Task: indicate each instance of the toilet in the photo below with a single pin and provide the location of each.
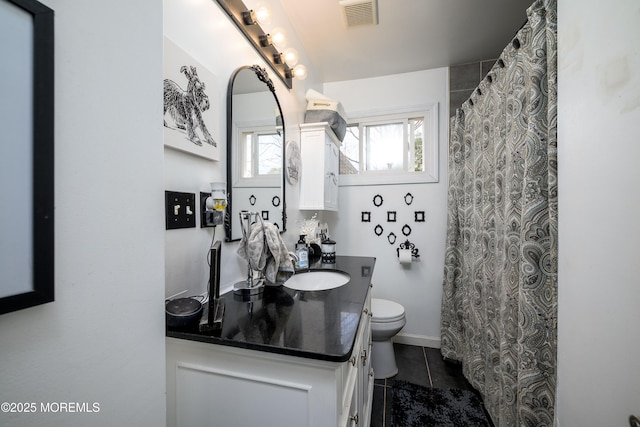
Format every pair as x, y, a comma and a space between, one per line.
388, 318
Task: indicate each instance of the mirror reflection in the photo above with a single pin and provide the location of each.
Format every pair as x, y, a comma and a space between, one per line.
255, 150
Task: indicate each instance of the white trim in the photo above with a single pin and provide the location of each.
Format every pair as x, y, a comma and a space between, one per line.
387, 112
417, 340
386, 178
268, 181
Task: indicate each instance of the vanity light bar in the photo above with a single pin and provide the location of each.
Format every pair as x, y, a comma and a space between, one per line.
239, 14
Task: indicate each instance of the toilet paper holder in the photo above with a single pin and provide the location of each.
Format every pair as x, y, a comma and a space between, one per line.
408, 245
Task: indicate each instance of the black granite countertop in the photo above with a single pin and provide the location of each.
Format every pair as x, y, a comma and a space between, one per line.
312, 324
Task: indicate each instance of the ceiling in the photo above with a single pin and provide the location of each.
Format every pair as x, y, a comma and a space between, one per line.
412, 35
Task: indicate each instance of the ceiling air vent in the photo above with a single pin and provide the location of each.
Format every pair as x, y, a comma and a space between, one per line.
359, 12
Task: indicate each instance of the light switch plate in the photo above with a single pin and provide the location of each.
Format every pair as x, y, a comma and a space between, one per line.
180, 210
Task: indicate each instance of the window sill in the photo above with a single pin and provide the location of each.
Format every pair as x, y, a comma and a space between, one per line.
263, 181
386, 178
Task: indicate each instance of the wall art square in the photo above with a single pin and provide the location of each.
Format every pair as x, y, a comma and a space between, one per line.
191, 104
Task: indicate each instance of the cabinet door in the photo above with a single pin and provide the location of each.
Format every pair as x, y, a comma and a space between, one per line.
331, 161
320, 153
354, 411
210, 396
365, 386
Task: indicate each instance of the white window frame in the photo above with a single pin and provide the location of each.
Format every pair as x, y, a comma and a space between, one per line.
430, 148
271, 180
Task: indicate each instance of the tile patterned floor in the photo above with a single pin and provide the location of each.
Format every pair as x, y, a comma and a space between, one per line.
418, 365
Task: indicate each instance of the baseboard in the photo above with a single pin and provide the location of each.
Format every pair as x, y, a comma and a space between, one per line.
417, 340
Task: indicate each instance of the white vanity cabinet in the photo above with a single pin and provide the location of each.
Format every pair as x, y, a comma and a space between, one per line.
360, 411
217, 385
319, 150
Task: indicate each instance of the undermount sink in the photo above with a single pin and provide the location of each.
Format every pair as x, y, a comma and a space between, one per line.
317, 280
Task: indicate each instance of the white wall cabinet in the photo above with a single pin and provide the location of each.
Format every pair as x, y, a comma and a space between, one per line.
216, 385
319, 150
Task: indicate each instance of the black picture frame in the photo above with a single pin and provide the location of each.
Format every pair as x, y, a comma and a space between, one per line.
41, 290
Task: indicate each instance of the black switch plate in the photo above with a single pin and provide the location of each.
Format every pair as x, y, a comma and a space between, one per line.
180, 210
206, 219
209, 219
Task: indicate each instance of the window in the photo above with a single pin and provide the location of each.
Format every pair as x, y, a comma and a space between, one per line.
259, 157
391, 149
261, 154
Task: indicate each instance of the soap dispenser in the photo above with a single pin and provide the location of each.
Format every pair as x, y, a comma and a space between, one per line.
302, 252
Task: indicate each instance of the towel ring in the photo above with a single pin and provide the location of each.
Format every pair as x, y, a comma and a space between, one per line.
249, 287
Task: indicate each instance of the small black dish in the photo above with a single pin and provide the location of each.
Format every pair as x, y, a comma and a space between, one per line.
183, 312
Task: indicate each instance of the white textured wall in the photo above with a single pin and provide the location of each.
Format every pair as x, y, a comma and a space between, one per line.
199, 27
102, 340
598, 127
417, 287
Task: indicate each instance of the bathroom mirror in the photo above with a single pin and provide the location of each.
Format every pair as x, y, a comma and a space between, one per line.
255, 150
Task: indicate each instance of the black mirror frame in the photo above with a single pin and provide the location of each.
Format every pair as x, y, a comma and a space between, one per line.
43, 161
262, 75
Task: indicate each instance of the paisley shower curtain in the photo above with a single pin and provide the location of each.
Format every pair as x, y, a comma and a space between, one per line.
499, 303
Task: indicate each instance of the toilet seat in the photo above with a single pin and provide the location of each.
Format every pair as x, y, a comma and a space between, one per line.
385, 311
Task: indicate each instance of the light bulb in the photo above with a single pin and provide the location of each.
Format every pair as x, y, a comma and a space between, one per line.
290, 57
262, 13
300, 72
278, 38
219, 204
